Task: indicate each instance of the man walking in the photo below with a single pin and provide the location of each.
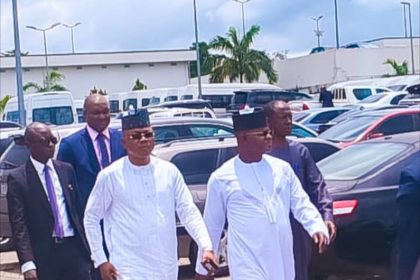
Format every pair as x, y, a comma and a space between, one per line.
326, 98
256, 193
279, 118
44, 213
94, 147
137, 197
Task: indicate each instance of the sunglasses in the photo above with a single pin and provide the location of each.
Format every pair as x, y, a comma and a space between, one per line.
264, 133
46, 141
140, 135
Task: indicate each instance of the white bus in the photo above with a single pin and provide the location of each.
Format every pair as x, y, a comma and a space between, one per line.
220, 95
48, 107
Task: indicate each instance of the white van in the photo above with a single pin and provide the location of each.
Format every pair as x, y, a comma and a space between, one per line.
55, 107
353, 94
78, 104
220, 95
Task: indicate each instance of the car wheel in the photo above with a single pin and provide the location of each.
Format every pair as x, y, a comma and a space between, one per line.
6, 244
223, 269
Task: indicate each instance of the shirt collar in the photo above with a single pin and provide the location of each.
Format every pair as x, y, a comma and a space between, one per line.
39, 166
93, 133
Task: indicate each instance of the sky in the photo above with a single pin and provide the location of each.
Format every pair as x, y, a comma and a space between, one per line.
138, 25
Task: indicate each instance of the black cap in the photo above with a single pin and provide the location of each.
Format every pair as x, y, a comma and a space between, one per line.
250, 118
138, 119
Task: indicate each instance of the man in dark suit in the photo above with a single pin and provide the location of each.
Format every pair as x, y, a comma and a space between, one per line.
326, 98
94, 147
297, 155
44, 212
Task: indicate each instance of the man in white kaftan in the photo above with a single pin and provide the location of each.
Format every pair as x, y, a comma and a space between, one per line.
256, 193
137, 196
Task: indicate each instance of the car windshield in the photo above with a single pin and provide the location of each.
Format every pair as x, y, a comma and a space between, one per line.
349, 129
372, 98
297, 117
357, 160
240, 98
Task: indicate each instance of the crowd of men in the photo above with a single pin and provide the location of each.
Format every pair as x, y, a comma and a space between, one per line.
105, 209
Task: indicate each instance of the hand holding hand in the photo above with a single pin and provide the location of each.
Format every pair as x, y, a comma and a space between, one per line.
321, 240
108, 271
332, 230
30, 275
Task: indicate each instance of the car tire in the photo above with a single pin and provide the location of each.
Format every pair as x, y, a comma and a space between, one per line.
6, 244
223, 269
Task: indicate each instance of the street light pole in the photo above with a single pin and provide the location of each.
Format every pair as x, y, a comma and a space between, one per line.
21, 106
337, 40
71, 30
242, 2
318, 33
44, 30
405, 22
411, 35
197, 51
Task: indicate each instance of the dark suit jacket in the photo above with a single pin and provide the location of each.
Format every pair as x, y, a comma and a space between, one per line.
30, 212
77, 149
326, 97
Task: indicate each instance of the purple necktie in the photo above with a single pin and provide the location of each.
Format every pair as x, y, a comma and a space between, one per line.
58, 224
103, 150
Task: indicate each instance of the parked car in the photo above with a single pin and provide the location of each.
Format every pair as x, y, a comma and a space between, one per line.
353, 94
389, 98
260, 97
363, 180
314, 118
373, 124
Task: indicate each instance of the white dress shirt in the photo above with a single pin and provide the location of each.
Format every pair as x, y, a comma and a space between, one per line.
137, 205
93, 134
68, 229
257, 199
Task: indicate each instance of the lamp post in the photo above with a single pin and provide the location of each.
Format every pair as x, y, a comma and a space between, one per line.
242, 2
405, 22
197, 51
318, 33
406, 3
337, 40
44, 30
72, 35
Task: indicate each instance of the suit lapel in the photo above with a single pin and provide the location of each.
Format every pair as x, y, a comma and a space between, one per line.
90, 150
34, 182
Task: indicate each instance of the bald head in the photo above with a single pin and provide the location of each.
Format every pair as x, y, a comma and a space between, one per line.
40, 141
276, 106
96, 112
33, 131
279, 117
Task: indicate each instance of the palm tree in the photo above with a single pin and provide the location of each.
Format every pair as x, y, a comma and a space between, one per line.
206, 60
3, 103
54, 79
400, 70
139, 85
239, 60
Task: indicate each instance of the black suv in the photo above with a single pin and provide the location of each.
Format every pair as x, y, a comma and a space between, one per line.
260, 97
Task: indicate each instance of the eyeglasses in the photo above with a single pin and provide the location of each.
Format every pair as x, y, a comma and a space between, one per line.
46, 141
140, 135
264, 133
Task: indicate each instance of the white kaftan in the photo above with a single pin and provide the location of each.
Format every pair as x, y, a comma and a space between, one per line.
138, 204
257, 199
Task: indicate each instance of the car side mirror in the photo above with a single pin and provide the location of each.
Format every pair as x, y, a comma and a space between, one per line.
375, 135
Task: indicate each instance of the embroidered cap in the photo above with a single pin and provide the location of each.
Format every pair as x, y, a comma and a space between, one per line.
138, 119
248, 119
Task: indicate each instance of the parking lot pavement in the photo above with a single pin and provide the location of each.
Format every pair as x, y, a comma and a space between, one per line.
9, 268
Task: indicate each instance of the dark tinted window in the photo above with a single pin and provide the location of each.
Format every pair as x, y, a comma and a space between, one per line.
228, 153
145, 101
399, 124
325, 117
196, 166
240, 97
170, 98
15, 156
397, 99
114, 106
209, 131
53, 115
164, 134
128, 102
13, 116
362, 93
187, 97
320, 151
259, 98
218, 101
379, 90
300, 132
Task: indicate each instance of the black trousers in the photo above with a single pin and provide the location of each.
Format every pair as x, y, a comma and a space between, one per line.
67, 260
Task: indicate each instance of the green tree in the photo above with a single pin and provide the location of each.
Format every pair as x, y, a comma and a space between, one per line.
54, 79
3, 103
400, 69
139, 85
206, 60
239, 60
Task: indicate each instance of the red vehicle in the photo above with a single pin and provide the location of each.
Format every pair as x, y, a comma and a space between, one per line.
373, 124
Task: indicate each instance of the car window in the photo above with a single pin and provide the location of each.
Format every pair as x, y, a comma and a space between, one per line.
325, 117
320, 151
145, 102
349, 129
240, 97
219, 101
114, 106
164, 134
196, 166
398, 124
362, 93
14, 156
209, 131
128, 102
298, 116
357, 160
396, 99
259, 98
379, 90
301, 132
53, 115
228, 153
372, 98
